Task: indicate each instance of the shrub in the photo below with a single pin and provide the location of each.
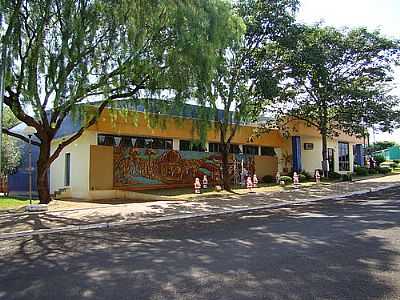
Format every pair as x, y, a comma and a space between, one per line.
302, 177
347, 177
334, 175
373, 171
379, 159
286, 179
361, 171
307, 175
268, 179
384, 170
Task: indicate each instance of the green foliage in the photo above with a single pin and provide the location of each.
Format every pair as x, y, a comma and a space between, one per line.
64, 53
286, 179
303, 178
379, 159
384, 170
347, 177
307, 175
11, 154
241, 66
268, 179
336, 79
361, 171
372, 171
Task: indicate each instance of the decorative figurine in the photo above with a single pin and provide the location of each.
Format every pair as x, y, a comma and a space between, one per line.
197, 186
295, 178
255, 181
205, 182
249, 184
317, 176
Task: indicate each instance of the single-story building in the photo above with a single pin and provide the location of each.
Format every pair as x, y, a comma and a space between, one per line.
123, 153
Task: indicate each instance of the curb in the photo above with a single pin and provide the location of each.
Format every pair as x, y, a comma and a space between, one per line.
105, 225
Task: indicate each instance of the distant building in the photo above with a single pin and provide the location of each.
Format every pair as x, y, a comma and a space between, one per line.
392, 153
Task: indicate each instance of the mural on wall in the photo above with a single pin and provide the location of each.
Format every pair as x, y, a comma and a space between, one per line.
143, 167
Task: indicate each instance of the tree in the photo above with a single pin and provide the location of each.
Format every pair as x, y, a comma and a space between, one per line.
338, 80
62, 53
11, 154
241, 68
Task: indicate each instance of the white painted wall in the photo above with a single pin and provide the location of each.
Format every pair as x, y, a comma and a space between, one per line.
80, 165
311, 159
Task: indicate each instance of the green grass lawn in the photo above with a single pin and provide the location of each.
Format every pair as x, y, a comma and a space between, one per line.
13, 203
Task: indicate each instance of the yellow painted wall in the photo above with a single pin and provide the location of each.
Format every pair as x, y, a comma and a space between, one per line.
266, 165
101, 168
181, 128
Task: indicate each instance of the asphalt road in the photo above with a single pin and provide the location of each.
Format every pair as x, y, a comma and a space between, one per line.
330, 250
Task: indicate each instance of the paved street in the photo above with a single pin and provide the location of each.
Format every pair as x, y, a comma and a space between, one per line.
330, 250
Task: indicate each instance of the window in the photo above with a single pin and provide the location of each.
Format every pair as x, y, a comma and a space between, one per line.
132, 141
184, 145
268, 151
214, 147
190, 146
344, 157
251, 150
67, 170
308, 146
234, 149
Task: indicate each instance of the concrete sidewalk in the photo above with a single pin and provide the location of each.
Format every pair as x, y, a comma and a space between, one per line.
97, 216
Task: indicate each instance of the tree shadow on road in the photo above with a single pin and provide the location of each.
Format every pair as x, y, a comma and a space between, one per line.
328, 250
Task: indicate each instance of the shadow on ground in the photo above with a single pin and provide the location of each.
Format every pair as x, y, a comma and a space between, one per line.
339, 250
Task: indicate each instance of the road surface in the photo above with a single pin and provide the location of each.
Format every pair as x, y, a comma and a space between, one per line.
330, 250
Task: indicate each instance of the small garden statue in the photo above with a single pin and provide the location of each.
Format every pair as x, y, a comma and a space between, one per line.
249, 184
295, 178
197, 186
205, 182
278, 177
317, 176
255, 180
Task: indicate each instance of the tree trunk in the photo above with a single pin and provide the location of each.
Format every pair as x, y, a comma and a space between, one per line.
325, 162
42, 176
226, 178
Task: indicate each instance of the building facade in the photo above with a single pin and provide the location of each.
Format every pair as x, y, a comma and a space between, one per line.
123, 153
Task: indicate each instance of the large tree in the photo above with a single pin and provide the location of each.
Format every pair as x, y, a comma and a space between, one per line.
338, 81
62, 53
242, 69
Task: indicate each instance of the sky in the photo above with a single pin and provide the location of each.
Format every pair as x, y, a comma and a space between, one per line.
373, 14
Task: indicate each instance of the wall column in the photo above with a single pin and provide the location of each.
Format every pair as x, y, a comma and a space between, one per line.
278, 152
296, 152
175, 144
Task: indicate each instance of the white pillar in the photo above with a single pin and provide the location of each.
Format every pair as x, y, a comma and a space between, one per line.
175, 144
278, 152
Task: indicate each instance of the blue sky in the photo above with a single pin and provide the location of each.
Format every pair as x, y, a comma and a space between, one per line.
373, 14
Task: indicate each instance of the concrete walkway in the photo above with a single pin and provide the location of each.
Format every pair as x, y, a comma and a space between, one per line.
98, 215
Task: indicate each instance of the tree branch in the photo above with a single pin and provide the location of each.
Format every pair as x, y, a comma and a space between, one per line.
19, 136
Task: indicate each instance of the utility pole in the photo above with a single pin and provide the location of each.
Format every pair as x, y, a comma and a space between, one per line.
2, 85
